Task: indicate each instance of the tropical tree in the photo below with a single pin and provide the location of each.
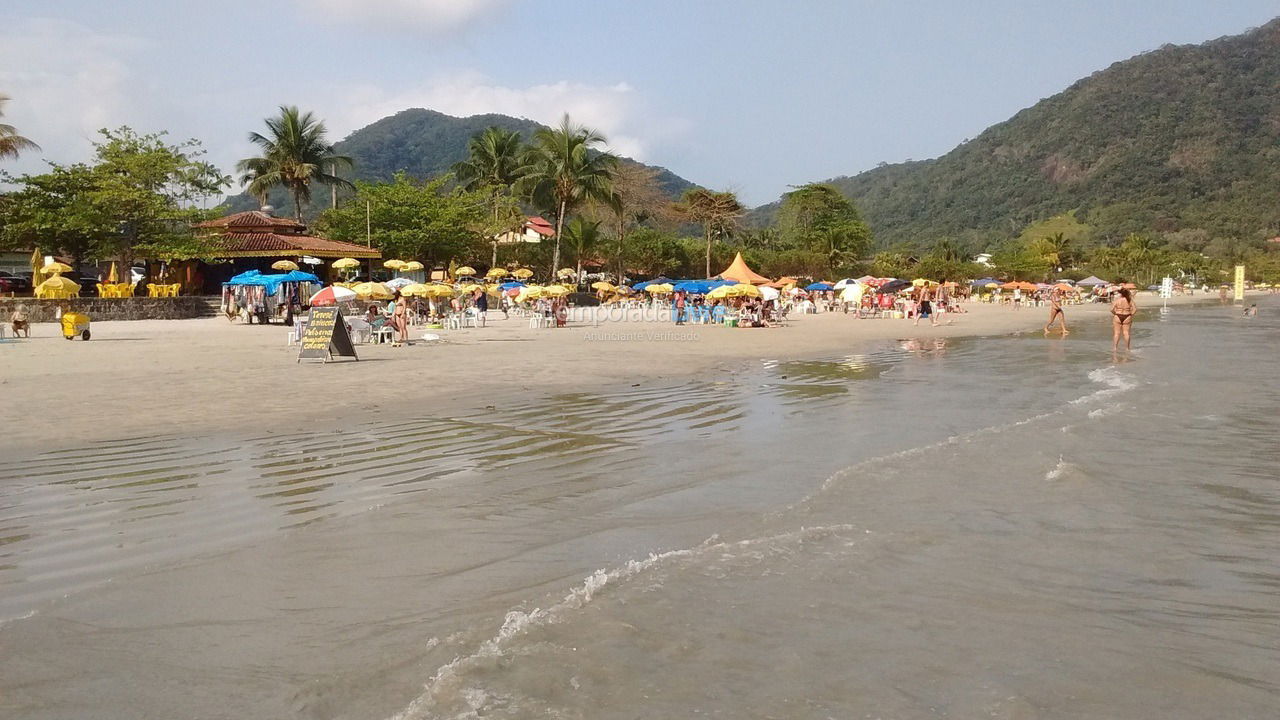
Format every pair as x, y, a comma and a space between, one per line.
716, 212
147, 189
55, 210
494, 158
563, 169
295, 154
820, 219
582, 236
636, 199
11, 143
408, 218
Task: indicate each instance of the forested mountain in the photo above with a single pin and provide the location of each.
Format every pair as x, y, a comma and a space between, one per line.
1180, 138
422, 143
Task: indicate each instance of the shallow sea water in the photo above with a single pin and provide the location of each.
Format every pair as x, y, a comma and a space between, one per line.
1011, 527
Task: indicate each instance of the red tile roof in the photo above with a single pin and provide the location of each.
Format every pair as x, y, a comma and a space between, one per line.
253, 220
266, 244
540, 226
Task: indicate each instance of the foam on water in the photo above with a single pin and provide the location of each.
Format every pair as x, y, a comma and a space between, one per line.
450, 680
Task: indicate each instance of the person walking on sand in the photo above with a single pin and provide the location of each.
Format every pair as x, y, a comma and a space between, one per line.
925, 308
1123, 308
1055, 311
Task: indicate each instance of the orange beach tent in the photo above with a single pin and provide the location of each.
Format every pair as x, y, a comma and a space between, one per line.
739, 272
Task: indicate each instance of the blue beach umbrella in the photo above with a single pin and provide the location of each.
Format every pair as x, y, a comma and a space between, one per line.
817, 286
695, 287
511, 285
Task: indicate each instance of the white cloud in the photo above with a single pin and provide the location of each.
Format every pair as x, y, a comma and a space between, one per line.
65, 82
610, 109
430, 15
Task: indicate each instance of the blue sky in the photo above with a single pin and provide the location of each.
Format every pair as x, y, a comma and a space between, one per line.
750, 96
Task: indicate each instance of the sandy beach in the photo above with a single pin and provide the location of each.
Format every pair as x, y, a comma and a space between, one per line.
191, 377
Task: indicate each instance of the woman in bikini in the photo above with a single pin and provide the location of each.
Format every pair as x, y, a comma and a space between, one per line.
1055, 311
1123, 309
400, 320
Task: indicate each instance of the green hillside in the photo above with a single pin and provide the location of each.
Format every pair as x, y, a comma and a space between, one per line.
1181, 138
423, 143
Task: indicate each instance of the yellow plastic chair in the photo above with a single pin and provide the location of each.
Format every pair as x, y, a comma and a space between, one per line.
153, 290
125, 290
105, 291
174, 289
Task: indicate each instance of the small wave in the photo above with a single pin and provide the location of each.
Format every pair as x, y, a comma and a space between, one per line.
447, 679
1114, 381
1102, 412
1058, 470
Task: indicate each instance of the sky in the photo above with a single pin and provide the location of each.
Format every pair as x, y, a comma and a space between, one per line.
743, 95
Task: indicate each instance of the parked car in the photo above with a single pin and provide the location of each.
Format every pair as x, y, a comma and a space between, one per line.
88, 285
16, 284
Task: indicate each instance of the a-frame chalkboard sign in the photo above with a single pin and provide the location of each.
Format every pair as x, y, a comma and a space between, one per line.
326, 336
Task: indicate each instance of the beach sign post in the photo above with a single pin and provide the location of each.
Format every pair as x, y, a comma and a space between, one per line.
1166, 291
326, 336
1239, 286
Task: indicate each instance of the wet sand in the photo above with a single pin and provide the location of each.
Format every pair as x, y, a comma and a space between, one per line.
141, 378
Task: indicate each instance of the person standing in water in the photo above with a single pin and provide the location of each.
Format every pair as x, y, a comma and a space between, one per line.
1055, 311
1123, 308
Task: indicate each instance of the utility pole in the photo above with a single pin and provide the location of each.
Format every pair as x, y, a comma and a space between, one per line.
368, 226
333, 188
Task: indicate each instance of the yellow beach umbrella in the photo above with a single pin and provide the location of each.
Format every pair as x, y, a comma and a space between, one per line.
346, 264
522, 273
57, 286
111, 275
371, 291
281, 265
603, 286
466, 271
497, 273
468, 287
415, 290
920, 282
556, 291
411, 266
991, 286
54, 268
566, 272
393, 264
659, 288
720, 293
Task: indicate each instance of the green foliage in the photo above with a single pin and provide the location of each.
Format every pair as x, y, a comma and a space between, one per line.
582, 237
413, 220
138, 199
493, 160
56, 211
653, 252
817, 219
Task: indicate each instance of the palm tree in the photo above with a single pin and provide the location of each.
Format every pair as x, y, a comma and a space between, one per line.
493, 161
563, 168
11, 143
295, 153
582, 236
716, 212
